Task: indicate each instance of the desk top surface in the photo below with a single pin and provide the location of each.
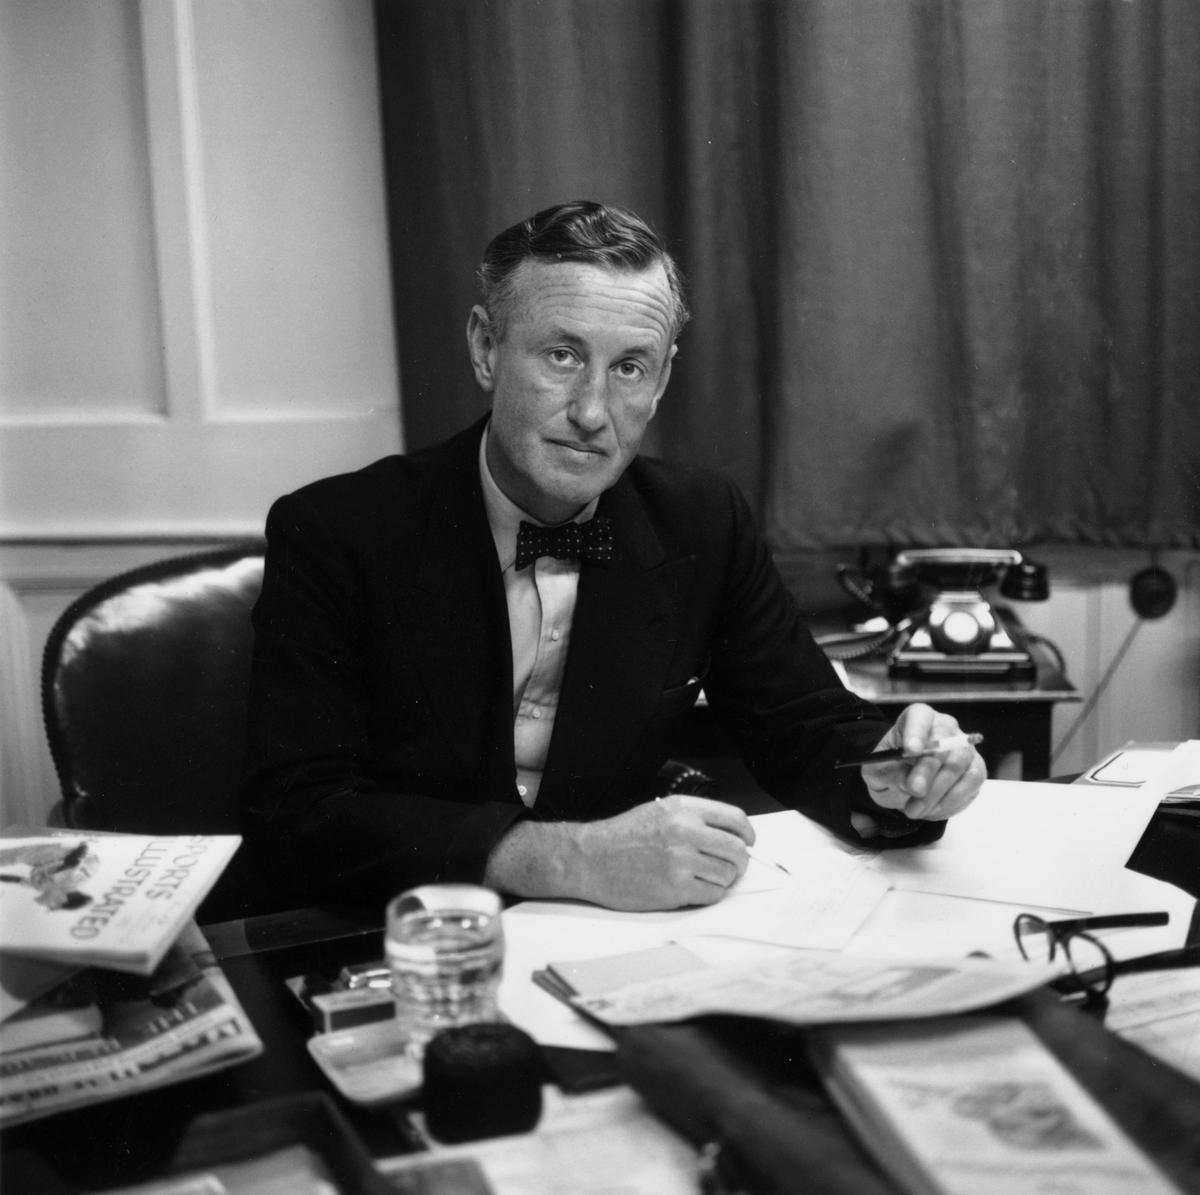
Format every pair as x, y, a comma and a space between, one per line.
129, 1140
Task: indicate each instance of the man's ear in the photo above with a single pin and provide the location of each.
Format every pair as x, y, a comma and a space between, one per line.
481, 345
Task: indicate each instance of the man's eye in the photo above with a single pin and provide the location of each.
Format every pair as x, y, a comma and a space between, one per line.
631, 371
562, 356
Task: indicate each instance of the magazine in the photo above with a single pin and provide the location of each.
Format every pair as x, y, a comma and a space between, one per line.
107, 900
180, 1022
977, 1105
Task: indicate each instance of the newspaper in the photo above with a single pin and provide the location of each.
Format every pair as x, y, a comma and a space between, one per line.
816, 987
181, 1022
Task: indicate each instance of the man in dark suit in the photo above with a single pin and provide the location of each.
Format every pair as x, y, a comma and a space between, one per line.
441, 693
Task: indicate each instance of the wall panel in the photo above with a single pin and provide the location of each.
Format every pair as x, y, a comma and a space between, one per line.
196, 309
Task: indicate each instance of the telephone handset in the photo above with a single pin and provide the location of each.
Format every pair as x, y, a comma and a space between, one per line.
938, 622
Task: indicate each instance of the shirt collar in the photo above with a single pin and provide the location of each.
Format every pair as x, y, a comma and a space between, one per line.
504, 515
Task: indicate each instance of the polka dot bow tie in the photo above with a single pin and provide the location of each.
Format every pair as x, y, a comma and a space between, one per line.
592, 540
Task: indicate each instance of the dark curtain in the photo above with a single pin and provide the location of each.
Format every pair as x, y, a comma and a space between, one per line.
944, 257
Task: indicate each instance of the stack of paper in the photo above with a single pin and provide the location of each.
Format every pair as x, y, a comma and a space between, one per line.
1052, 849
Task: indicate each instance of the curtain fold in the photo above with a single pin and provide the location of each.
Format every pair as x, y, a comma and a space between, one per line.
943, 255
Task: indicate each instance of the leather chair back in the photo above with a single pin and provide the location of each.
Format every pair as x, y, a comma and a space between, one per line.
144, 681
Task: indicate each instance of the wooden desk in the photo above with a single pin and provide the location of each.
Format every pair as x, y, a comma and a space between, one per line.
130, 1140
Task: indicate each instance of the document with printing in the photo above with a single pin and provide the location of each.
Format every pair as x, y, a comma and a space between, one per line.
805, 987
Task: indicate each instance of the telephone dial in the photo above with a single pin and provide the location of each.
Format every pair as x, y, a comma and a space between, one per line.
933, 619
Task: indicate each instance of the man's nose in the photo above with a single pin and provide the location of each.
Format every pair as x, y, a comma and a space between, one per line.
589, 400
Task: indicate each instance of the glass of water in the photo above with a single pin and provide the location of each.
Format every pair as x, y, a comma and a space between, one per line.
445, 948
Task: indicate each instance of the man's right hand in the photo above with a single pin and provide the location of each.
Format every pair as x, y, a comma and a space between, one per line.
665, 854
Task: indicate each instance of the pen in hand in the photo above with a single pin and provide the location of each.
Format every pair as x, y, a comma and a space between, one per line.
765, 861
930, 748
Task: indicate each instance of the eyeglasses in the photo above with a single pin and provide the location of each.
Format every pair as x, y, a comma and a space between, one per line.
1092, 966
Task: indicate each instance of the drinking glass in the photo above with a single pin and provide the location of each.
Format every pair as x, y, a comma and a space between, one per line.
445, 948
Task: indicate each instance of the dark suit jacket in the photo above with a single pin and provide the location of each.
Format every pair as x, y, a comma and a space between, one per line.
381, 711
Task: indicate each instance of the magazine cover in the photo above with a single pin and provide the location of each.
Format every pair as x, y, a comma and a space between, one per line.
105, 900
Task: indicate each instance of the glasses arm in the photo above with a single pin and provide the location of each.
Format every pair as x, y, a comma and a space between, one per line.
1163, 960
1073, 925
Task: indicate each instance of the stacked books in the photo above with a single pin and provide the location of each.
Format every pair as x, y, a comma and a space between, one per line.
107, 986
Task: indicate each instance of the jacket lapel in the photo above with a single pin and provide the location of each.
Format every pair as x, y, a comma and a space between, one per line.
465, 658
622, 639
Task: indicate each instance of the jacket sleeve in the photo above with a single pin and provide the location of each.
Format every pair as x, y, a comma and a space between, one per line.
783, 703
323, 813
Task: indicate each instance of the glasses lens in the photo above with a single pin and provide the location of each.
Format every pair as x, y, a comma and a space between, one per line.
1034, 938
1090, 962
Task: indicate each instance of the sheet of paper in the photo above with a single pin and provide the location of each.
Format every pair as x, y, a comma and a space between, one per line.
910, 924
827, 895
1058, 846
536, 932
1043, 848
1180, 774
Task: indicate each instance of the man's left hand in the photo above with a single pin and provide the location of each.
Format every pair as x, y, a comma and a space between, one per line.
927, 787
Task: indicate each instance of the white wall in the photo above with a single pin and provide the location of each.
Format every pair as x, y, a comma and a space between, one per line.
195, 306
1154, 691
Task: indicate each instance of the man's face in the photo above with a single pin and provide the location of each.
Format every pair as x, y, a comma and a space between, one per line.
575, 379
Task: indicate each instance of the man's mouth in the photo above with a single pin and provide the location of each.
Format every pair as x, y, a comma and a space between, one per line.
575, 446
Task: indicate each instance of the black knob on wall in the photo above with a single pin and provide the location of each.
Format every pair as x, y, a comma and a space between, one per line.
1152, 592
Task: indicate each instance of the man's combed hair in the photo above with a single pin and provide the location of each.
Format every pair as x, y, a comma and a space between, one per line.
593, 233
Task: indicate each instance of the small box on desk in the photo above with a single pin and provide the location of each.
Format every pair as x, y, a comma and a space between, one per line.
334, 1007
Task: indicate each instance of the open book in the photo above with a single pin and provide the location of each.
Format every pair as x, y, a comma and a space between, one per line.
106, 900
977, 1105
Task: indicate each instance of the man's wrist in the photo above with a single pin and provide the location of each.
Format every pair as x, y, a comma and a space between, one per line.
537, 859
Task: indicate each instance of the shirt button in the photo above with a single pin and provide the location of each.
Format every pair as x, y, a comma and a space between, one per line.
535, 712
556, 635
522, 790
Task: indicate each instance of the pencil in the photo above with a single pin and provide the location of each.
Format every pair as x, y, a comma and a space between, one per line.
930, 748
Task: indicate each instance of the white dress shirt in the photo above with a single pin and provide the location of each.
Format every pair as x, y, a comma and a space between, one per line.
541, 604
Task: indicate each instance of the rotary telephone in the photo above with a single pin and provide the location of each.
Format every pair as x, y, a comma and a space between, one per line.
933, 620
